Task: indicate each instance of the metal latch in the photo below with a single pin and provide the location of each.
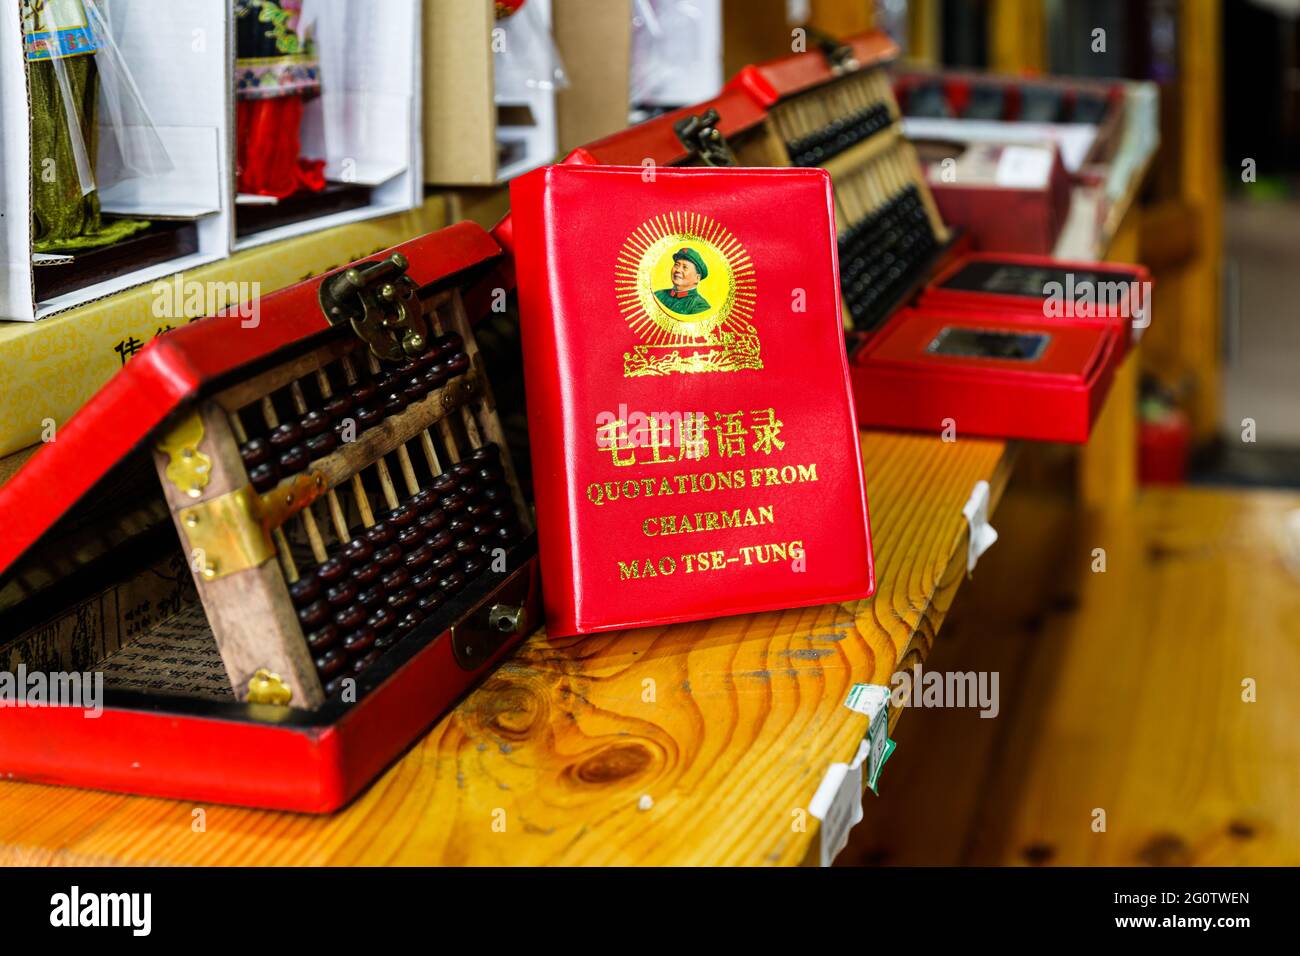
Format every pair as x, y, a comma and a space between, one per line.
379, 300
839, 55
506, 612
232, 532
701, 137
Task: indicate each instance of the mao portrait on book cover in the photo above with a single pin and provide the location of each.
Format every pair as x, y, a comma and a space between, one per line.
686, 286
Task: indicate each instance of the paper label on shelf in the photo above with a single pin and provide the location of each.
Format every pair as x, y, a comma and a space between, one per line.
872, 700
1024, 167
838, 805
982, 534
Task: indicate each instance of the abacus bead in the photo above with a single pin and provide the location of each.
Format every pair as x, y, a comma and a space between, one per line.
382, 619
423, 500
366, 573
365, 662
318, 446
357, 551
286, 436
264, 476
394, 402
457, 363
443, 484
370, 415
444, 561
360, 641
472, 567
432, 521
380, 534
486, 452
305, 590
322, 639
340, 406
314, 615
399, 601
431, 602
479, 509
330, 663
436, 375
410, 619
463, 469
333, 569
402, 516
425, 580
255, 451
345, 592
363, 392
419, 557
441, 540
315, 422
388, 557
371, 598
395, 579
454, 502
452, 582
409, 538
415, 388
351, 617
467, 545
295, 459
333, 687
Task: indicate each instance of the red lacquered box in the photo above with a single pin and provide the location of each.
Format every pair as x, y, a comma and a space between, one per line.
273, 549
984, 373
1106, 293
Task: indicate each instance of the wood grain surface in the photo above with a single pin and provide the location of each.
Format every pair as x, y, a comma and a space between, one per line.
1122, 691
692, 744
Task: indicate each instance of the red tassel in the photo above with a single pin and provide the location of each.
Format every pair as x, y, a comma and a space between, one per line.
268, 151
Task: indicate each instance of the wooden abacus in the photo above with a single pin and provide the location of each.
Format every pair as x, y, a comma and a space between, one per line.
379, 493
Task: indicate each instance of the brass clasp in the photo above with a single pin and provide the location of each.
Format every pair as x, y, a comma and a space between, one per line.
379, 301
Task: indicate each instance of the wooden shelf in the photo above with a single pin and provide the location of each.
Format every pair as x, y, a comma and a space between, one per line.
727, 726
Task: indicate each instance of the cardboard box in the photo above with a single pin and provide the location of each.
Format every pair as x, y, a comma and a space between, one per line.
366, 122
177, 54
50, 368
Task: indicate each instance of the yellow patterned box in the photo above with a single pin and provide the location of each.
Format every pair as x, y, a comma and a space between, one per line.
49, 368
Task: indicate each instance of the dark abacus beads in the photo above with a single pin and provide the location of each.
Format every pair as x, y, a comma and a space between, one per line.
428, 603
362, 393
360, 641
305, 590
841, 134
452, 582
478, 509
371, 598
415, 388
333, 570
315, 422
424, 580
418, 558
380, 534
441, 540
395, 579
408, 539
333, 687
357, 551
264, 477
314, 615
423, 500
364, 662
286, 436
410, 619
382, 619
318, 446
370, 415
255, 451
351, 617
330, 663
294, 460
345, 592
457, 363
467, 545
339, 407
486, 453
462, 469
366, 573
445, 343
402, 516
400, 601
445, 560
442, 484
388, 557
435, 376
394, 402
432, 521
472, 567
322, 639
496, 493
454, 501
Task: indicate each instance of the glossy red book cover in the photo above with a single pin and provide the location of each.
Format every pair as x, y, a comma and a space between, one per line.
694, 443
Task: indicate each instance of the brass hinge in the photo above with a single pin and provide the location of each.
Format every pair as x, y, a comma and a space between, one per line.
379, 301
839, 55
701, 137
232, 532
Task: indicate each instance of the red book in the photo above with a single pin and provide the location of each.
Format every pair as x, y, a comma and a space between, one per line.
694, 443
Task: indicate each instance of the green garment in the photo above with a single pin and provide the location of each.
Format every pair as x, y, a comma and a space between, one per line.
691, 303
63, 220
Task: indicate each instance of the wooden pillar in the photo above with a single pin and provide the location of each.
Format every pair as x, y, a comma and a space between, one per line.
1017, 36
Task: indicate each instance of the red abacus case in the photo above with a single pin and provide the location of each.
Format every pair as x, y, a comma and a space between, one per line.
1106, 293
282, 541
989, 374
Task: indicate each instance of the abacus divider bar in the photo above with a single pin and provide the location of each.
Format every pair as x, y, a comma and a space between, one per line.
251, 614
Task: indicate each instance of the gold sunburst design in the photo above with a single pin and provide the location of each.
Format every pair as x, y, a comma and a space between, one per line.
711, 331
